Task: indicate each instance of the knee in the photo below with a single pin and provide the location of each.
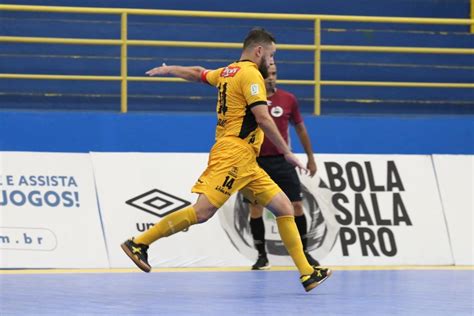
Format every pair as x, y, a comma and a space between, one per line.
298, 207
203, 214
204, 209
281, 205
256, 211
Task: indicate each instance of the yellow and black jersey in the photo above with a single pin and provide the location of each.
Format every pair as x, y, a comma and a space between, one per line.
240, 87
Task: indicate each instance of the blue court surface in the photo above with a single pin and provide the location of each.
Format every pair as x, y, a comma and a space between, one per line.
416, 291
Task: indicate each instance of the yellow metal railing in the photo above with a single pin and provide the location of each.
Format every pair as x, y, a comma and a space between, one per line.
124, 42
472, 15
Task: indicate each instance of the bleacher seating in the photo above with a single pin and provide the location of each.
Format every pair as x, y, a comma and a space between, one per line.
105, 60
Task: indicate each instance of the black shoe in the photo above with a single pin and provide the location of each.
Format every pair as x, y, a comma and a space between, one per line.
262, 263
311, 260
137, 252
319, 276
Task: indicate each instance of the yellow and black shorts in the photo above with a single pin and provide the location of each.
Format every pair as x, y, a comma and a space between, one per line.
232, 167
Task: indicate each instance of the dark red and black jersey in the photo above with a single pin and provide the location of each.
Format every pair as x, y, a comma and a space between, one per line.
284, 109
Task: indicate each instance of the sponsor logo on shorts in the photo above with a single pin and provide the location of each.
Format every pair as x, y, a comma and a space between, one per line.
234, 171
221, 189
221, 122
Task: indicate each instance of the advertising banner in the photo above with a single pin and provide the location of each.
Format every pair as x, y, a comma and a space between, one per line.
320, 213
456, 184
360, 210
137, 189
48, 212
388, 208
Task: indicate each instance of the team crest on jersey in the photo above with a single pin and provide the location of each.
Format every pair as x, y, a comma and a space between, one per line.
229, 71
254, 90
276, 111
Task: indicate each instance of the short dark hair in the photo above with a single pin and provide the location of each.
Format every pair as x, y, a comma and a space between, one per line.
258, 36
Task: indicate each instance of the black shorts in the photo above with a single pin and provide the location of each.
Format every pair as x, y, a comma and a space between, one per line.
284, 174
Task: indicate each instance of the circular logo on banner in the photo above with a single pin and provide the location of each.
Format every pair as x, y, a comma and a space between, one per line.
320, 216
276, 111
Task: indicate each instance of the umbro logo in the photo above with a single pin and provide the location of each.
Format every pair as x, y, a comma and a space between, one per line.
157, 202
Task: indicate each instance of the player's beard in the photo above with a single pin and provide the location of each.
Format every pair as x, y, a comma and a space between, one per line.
263, 68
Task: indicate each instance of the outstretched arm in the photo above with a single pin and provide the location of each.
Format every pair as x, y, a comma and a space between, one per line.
190, 73
306, 142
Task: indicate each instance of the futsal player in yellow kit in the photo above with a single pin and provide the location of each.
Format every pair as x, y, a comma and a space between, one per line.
242, 120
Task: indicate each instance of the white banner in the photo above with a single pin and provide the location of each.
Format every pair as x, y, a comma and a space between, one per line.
388, 208
456, 184
380, 210
137, 189
383, 210
320, 213
48, 212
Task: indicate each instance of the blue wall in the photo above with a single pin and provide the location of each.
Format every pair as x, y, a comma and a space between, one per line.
190, 132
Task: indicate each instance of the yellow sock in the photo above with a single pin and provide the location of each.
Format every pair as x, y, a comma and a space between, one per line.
169, 225
292, 241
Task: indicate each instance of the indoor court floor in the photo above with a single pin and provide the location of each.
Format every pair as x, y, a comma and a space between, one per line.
237, 291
